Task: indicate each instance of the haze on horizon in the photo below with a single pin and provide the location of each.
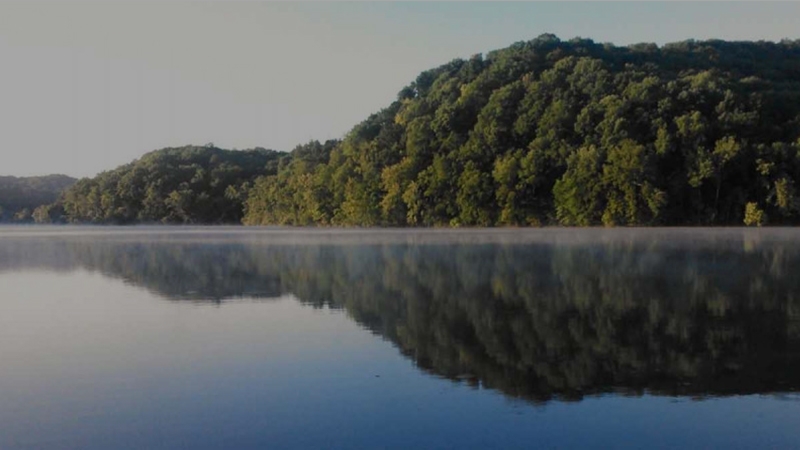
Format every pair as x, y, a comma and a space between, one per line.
87, 86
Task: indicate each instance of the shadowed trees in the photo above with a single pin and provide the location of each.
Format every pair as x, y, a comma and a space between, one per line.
21, 196
174, 185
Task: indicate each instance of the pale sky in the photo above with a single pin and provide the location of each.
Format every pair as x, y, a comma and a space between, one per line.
85, 87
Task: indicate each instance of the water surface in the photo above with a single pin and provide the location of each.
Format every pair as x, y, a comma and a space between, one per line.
210, 338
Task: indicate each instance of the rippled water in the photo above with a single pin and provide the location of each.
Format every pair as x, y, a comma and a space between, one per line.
280, 338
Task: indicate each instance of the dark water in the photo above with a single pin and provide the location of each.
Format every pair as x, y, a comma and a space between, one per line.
149, 338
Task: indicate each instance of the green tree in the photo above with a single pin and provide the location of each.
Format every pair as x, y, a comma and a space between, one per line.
632, 198
578, 193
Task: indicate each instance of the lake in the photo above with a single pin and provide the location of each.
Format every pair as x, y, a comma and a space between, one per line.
237, 338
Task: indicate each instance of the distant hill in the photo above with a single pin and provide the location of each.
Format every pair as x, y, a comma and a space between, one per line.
19, 196
174, 185
566, 132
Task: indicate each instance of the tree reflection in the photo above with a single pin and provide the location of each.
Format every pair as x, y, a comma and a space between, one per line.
534, 320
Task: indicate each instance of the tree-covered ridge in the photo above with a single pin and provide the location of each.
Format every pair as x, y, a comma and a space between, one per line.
173, 185
20, 196
564, 132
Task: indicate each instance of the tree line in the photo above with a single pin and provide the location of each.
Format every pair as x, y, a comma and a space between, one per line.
544, 132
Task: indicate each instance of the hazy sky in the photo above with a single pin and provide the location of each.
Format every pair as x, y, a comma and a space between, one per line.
85, 87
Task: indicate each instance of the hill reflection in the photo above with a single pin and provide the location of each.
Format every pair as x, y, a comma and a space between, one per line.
538, 319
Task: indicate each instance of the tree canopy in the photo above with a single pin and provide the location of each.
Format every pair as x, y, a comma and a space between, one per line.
173, 185
564, 132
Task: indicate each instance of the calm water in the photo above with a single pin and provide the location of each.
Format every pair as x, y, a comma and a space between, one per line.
134, 338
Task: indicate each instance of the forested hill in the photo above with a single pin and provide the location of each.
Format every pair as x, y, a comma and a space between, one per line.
564, 132
19, 196
173, 185
544, 132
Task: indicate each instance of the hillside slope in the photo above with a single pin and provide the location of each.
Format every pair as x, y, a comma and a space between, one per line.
19, 196
173, 185
564, 132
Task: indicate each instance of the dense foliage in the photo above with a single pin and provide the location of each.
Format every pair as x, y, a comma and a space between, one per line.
572, 133
548, 318
172, 185
20, 196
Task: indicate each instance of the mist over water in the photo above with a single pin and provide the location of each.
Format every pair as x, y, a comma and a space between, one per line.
229, 337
